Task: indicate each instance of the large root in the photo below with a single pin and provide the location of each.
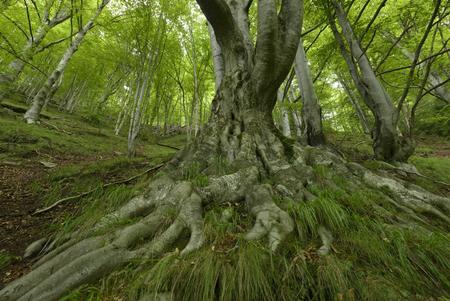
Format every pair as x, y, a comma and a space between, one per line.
174, 206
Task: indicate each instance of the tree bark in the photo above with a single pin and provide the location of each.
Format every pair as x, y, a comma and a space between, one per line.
285, 125
355, 103
297, 119
32, 115
15, 68
266, 175
311, 111
388, 144
217, 57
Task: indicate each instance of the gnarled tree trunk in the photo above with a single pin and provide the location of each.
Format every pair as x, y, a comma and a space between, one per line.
262, 166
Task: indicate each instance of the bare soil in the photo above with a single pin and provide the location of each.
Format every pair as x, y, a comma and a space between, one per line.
18, 226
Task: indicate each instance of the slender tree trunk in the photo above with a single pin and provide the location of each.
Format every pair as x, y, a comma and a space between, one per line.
122, 114
311, 111
195, 110
297, 118
15, 68
388, 144
355, 103
32, 115
285, 125
135, 121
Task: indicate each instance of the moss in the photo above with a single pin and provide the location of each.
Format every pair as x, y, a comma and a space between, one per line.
436, 167
288, 144
67, 135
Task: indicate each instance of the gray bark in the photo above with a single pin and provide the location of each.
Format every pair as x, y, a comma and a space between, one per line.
217, 57
16, 66
32, 115
296, 117
311, 111
285, 126
355, 103
240, 128
387, 142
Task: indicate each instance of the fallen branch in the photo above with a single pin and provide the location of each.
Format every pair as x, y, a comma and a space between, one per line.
94, 189
165, 145
421, 176
55, 127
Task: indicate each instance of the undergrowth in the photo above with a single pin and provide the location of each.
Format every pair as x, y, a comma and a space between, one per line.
377, 254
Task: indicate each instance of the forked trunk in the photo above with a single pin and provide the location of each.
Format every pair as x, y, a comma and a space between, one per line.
259, 167
388, 143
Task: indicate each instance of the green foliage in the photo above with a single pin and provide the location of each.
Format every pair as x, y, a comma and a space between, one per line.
193, 173
435, 121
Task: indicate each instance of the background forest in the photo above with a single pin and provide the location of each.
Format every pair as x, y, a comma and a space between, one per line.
167, 46
96, 96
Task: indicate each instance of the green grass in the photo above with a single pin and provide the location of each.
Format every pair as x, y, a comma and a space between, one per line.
69, 135
6, 259
372, 258
435, 167
378, 252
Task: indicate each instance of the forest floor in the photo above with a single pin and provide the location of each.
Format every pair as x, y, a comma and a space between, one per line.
63, 156
67, 155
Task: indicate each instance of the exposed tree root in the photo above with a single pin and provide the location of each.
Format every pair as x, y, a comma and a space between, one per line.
262, 168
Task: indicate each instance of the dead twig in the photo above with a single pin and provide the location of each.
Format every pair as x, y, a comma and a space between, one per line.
169, 146
94, 189
56, 128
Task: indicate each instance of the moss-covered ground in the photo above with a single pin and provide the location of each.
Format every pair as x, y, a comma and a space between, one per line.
377, 254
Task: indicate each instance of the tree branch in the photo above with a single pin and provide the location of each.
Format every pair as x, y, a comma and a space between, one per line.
17, 25
30, 28
394, 44
219, 16
417, 55
36, 8
416, 64
374, 17
42, 48
290, 22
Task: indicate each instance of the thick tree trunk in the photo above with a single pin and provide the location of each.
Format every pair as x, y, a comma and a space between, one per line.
217, 57
311, 111
32, 115
388, 144
262, 166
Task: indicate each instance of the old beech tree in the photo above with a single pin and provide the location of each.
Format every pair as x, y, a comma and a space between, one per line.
262, 166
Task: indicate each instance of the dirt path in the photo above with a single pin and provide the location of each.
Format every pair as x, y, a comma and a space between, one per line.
18, 227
